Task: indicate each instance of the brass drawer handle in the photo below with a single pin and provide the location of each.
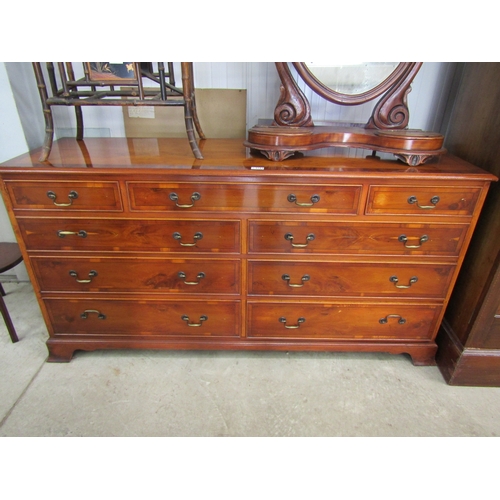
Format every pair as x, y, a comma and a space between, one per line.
175, 197
62, 234
412, 200
74, 274
197, 236
286, 277
394, 279
289, 237
404, 239
385, 320
85, 314
199, 276
299, 322
293, 199
72, 195
185, 318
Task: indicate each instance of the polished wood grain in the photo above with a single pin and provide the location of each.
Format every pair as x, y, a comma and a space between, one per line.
355, 238
341, 321
344, 279
146, 317
278, 143
184, 197
412, 200
222, 158
129, 250
73, 196
167, 235
145, 274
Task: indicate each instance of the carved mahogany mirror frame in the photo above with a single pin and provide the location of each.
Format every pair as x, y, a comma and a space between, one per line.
293, 129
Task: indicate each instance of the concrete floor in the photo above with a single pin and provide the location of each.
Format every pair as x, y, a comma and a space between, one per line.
165, 393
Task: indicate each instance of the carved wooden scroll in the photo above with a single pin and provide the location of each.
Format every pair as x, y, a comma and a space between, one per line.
293, 129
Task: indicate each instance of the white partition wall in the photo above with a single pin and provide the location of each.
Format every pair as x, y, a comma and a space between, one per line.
12, 143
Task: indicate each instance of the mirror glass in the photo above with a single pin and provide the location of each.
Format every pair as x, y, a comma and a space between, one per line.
351, 78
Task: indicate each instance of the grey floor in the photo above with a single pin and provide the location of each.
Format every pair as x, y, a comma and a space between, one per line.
165, 393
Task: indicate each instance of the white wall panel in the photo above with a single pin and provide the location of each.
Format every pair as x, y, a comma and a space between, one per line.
12, 143
262, 91
427, 100
429, 96
220, 75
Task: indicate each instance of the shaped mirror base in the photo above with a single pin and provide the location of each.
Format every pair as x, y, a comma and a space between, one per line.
277, 143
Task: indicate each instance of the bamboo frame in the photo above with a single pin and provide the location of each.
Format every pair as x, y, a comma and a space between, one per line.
89, 91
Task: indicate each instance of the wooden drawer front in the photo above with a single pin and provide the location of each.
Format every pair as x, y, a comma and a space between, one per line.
83, 274
65, 196
348, 279
341, 321
130, 235
148, 317
259, 198
422, 200
355, 238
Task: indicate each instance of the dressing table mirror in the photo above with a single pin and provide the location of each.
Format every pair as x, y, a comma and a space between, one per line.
293, 129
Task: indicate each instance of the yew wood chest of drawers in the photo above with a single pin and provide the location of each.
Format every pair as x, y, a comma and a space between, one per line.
133, 244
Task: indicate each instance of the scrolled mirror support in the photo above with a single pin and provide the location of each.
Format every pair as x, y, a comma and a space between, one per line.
293, 108
392, 112
293, 129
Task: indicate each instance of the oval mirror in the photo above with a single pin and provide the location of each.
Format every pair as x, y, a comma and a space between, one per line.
350, 83
351, 78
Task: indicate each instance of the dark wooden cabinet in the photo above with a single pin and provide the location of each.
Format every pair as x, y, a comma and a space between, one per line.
132, 243
469, 340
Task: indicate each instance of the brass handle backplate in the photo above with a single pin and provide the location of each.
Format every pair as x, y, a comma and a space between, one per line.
197, 236
395, 280
194, 197
286, 277
385, 320
74, 274
81, 234
412, 200
299, 322
404, 239
309, 237
293, 199
185, 318
199, 276
85, 314
72, 195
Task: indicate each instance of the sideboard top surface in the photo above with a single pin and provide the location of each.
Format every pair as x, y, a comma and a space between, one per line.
225, 157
